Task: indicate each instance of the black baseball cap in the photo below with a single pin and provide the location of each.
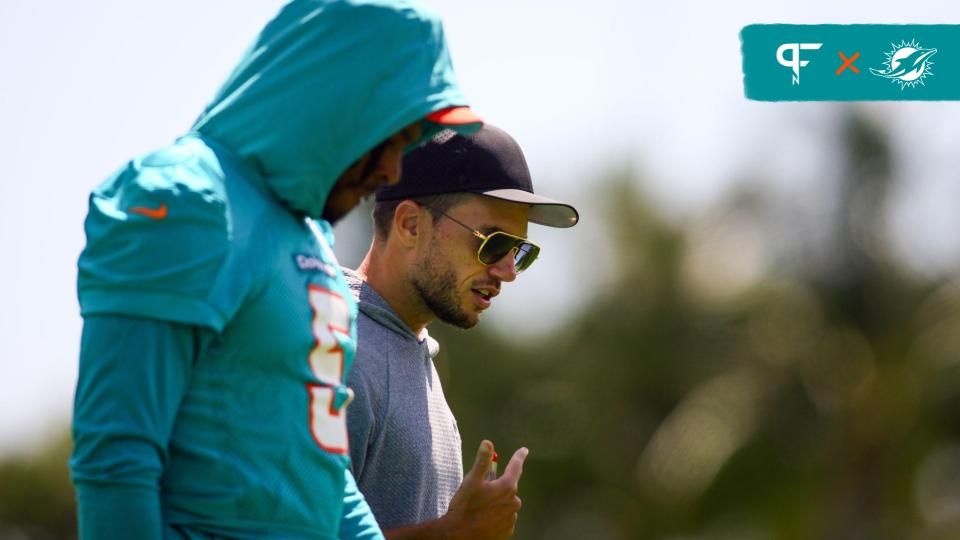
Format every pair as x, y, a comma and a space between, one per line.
488, 162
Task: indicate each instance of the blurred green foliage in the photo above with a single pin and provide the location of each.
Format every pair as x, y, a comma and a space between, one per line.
813, 399
36, 498
816, 403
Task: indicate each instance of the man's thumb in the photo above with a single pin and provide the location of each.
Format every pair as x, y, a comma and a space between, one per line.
515, 467
482, 464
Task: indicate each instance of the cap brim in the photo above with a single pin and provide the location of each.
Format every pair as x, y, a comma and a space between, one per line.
460, 119
543, 211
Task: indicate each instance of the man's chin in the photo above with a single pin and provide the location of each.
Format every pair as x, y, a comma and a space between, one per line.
333, 216
462, 320
335, 210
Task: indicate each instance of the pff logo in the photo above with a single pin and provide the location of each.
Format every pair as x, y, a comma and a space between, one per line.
794, 62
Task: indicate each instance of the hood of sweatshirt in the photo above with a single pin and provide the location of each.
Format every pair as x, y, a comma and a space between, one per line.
325, 82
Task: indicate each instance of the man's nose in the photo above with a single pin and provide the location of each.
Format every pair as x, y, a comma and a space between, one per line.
505, 269
391, 167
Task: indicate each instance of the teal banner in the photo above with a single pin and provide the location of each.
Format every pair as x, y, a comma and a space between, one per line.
858, 62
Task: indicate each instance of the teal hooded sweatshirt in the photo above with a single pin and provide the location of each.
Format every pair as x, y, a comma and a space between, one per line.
218, 329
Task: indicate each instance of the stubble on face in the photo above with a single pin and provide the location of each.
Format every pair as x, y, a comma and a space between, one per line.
380, 166
349, 190
436, 284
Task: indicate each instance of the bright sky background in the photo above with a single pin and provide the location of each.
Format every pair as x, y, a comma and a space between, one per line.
584, 87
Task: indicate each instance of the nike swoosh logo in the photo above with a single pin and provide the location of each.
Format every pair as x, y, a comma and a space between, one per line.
153, 213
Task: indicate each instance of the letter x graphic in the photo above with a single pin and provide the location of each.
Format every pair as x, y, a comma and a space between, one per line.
848, 62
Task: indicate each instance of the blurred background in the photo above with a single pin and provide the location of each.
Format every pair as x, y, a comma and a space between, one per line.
754, 333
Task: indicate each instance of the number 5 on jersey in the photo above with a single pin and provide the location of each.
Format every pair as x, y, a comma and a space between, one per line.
331, 316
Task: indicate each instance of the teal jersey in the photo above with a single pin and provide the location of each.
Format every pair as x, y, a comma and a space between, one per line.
218, 327
259, 439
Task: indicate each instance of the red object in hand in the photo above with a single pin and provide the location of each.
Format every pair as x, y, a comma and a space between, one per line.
492, 473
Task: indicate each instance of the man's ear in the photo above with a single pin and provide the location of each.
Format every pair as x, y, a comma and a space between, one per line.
408, 223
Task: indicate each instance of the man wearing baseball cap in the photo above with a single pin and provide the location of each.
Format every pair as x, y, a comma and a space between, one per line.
446, 239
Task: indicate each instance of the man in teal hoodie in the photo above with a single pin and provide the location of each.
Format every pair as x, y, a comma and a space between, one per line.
218, 329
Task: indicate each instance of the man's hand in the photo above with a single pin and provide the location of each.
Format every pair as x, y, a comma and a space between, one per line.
486, 509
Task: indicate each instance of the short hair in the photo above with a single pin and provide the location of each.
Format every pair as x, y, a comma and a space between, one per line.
436, 204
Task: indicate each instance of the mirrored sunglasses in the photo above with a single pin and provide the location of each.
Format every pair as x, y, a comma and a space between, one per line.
496, 245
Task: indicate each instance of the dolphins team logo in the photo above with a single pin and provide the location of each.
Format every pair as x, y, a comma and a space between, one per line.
907, 64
